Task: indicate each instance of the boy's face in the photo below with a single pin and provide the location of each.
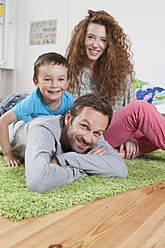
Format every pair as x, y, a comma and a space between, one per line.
52, 82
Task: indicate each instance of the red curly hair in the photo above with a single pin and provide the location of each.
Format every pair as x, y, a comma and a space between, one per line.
116, 63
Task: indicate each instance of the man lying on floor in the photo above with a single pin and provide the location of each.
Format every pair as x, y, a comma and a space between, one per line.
60, 149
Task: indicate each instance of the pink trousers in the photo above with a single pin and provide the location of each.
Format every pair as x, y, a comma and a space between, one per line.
140, 119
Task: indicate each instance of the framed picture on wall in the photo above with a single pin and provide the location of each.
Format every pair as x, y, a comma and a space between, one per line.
43, 32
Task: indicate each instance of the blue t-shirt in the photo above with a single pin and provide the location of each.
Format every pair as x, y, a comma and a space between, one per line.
34, 105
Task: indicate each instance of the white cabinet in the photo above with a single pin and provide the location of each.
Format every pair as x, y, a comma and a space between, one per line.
7, 34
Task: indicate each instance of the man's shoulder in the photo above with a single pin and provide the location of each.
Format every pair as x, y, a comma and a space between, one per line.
48, 121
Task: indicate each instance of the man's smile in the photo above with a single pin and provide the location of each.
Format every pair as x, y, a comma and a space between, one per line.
82, 142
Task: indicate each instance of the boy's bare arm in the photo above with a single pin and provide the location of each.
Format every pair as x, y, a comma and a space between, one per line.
5, 120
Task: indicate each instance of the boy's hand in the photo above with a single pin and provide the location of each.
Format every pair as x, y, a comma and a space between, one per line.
55, 161
13, 160
98, 151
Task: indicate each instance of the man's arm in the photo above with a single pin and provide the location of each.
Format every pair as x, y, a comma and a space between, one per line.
43, 175
108, 165
41, 172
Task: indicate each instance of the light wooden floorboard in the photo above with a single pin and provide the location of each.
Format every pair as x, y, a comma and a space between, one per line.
134, 219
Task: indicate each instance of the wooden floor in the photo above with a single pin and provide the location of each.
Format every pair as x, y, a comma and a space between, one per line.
134, 219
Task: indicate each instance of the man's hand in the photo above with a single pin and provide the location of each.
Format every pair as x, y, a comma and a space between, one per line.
131, 148
98, 151
55, 161
13, 160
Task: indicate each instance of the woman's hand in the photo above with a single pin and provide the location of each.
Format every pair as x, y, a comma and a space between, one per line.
131, 148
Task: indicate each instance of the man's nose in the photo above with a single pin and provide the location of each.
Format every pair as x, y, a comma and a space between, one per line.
88, 138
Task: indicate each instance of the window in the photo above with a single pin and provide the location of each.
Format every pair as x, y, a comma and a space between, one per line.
7, 34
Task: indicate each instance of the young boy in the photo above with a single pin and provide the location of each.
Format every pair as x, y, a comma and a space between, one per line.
51, 79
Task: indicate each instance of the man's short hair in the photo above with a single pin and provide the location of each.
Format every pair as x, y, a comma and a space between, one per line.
94, 101
50, 58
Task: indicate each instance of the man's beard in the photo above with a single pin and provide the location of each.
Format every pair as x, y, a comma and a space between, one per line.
75, 140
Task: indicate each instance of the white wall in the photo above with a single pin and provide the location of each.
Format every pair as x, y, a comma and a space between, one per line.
142, 20
28, 11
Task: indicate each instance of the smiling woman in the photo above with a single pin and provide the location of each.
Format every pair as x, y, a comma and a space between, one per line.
100, 59
95, 43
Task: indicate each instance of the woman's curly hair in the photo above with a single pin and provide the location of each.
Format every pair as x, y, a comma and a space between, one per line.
115, 65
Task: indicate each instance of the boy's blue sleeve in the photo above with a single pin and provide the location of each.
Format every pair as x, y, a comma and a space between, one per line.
67, 103
24, 108
71, 100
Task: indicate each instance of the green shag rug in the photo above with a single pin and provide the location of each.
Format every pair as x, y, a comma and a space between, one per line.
17, 202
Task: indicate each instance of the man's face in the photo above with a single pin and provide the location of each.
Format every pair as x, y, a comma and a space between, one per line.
85, 130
